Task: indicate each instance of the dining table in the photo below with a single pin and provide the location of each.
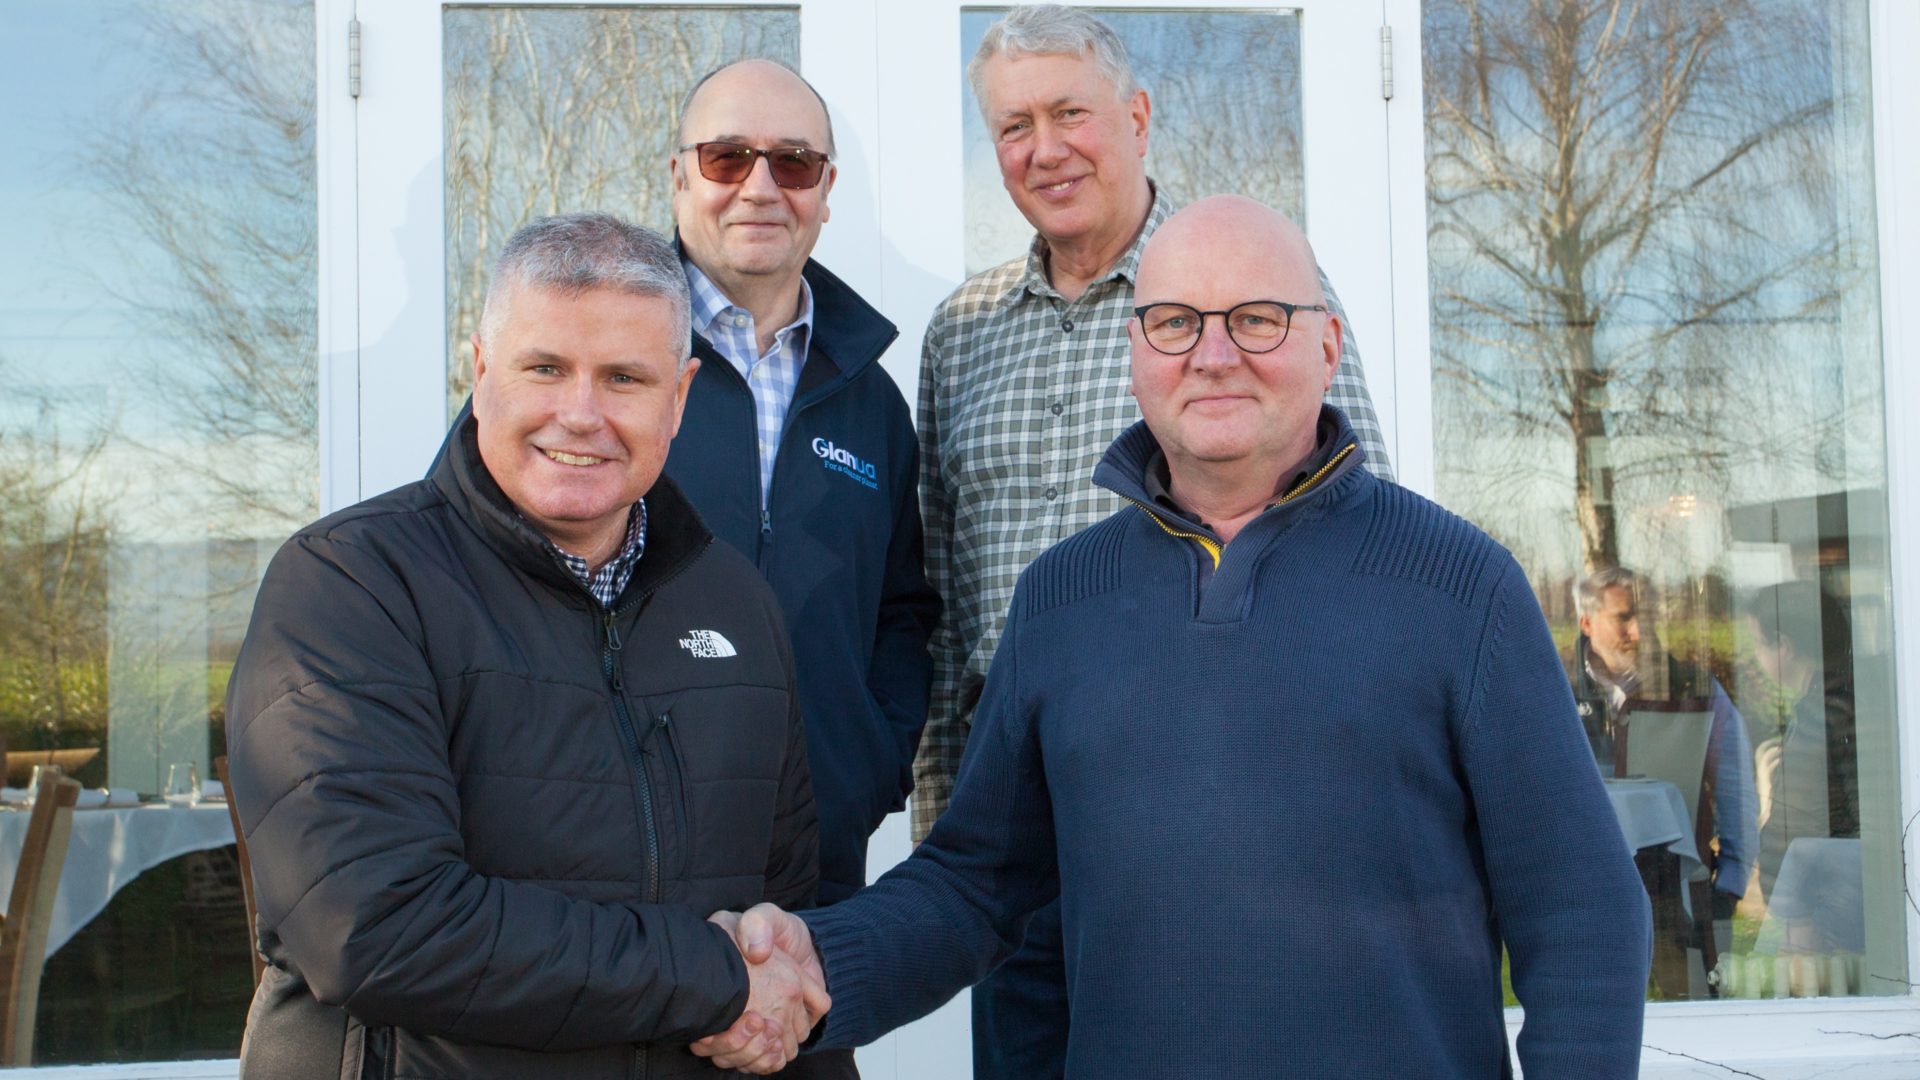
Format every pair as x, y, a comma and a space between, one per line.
110, 846
1653, 814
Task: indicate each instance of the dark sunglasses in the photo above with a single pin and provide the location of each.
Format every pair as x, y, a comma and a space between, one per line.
732, 163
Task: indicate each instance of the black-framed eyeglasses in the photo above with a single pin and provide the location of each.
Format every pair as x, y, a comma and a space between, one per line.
1257, 326
732, 162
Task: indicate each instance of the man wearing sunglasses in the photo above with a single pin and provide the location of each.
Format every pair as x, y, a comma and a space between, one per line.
797, 447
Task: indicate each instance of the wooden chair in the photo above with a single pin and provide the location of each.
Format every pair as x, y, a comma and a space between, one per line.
246, 865
23, 932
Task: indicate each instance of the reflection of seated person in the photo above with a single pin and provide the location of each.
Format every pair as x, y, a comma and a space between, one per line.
1615, 667
1808, 770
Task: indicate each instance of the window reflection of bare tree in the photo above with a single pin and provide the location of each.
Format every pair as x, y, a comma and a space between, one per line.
556, 110
1226, 98
1634, 242
209, 179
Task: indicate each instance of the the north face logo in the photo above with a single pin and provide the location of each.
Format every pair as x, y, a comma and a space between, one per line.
708, 644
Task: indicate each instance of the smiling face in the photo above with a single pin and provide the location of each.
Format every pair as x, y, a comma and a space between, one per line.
1071, 148
1247, 417
755, 229
576, 399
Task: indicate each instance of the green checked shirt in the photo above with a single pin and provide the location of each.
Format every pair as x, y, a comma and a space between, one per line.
1021, 391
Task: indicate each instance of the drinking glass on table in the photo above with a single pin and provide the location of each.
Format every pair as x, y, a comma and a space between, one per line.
41, 772
183, 785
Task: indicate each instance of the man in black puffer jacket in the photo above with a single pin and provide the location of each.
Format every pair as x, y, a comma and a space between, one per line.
502, 738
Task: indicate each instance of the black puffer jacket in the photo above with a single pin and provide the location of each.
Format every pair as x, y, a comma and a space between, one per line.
488, 818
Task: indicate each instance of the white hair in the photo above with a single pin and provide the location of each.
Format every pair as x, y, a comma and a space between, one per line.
1052, 30
1592, 589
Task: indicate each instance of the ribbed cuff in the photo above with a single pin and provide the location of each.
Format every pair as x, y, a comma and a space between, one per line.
837, 941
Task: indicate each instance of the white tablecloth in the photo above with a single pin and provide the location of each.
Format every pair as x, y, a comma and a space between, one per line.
109, 848
1653, 813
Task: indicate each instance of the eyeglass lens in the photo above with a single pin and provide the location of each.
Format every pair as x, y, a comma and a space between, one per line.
791, 166
1255, 327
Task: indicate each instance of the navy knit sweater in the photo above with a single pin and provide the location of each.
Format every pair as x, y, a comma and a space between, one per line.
1292, 816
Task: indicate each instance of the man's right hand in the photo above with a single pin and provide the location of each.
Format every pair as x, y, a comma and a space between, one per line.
786, 996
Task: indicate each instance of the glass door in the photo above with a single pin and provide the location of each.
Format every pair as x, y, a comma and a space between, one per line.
474, 119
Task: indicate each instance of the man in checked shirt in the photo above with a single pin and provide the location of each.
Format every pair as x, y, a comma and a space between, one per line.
1023, 385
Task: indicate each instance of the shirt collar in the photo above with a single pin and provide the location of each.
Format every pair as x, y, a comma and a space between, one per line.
709, 304
612, 577
1035, 280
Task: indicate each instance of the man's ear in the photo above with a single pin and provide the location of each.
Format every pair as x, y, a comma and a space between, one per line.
1140, 111
1330, 347
479, 357
680, 393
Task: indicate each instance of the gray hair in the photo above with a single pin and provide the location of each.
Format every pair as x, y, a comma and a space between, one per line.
686, 103
1587, 595
1052, 30
573, 253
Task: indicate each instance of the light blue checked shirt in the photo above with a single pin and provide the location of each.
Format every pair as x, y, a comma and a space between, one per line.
771, 378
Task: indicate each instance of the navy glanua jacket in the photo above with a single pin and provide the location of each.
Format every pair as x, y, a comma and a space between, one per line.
841, 545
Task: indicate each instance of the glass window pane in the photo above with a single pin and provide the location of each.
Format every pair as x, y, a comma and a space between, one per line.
157, 442
1656, 346
1225, 89
556, 110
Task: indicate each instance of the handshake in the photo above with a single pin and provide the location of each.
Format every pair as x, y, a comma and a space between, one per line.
787, 992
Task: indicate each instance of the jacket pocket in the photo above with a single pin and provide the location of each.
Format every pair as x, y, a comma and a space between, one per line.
682, 806
366, 1053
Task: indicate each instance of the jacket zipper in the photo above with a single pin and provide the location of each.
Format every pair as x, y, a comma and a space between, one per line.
779, 452
610, 668
1212, 545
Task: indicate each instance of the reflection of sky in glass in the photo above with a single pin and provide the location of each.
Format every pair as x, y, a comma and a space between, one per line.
57, 331
1225, 89
110, 145
585, 120
1767, 263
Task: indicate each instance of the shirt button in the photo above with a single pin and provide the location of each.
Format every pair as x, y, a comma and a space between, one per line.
1058, 408
1067, 325
1053, 493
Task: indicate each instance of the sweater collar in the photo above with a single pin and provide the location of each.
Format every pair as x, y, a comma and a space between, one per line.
1124, 470
1158, 477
